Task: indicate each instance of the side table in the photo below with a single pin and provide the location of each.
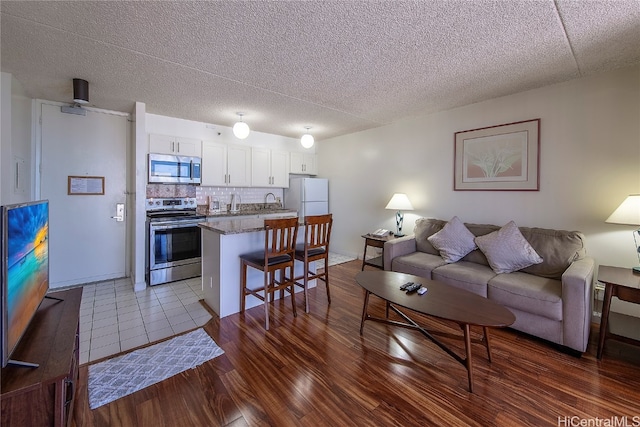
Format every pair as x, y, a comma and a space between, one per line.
376, 242
624, 284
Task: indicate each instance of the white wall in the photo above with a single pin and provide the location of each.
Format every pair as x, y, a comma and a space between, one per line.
590, 153
16, 145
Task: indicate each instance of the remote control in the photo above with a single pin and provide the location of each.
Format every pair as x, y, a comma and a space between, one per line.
406, 285
414, 287
422, 291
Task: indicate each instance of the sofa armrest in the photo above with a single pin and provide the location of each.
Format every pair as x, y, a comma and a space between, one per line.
577, 303
397, 247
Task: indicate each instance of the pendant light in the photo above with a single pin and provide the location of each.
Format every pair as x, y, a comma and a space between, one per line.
241, 129
307, 139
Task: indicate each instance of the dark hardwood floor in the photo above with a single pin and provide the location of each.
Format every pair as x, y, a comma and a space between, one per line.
317, 370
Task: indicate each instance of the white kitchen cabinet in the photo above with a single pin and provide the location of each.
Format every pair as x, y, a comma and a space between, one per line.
269, 168
225, 165
165, 144
303, 163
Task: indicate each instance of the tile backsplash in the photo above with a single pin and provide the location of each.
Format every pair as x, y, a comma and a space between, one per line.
171, 190
247, 195
223, 194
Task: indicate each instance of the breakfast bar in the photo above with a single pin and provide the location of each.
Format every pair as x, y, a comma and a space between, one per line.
222, 244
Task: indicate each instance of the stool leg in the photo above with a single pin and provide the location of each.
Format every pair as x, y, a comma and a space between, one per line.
266, 298
243, 285
292, 287
306, 285
326, 278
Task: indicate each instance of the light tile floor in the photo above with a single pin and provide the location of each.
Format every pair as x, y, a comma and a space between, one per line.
114, 318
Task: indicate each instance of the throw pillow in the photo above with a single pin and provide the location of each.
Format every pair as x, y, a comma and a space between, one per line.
454, 241
507, 250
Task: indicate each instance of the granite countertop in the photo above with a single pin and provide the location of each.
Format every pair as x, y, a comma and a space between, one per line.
223, 214
234, 226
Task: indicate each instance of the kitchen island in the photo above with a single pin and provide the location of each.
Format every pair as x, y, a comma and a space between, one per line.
222, 244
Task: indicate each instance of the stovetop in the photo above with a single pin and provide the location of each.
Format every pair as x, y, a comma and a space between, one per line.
172, 208
155, 204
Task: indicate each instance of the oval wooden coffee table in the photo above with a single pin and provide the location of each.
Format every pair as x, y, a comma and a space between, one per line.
442, 301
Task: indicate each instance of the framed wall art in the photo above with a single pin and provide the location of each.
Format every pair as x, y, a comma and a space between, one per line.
498, 158
85, 185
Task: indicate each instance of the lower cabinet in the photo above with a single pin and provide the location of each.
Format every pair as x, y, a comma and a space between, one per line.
44, 396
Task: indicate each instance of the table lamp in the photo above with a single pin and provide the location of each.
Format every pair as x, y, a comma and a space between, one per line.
628, 213
400, 202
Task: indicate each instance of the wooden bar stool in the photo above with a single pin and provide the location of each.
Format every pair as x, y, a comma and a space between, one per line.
278, 255
317, 232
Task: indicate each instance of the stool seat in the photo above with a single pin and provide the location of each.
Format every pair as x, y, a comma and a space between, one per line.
258, 258
311, 252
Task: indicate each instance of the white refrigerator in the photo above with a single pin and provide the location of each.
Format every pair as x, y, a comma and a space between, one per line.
309, 196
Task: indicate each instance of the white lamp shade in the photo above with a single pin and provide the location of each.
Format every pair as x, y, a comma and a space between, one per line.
307, 140
628, 213
241, 130
399, 202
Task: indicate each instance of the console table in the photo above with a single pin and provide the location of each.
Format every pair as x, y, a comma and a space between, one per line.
624, 284
44, 396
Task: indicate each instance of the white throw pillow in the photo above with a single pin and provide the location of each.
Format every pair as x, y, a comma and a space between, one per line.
454, 241
507, 250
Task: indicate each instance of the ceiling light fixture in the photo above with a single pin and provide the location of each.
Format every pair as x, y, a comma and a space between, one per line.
307, 139
241, 129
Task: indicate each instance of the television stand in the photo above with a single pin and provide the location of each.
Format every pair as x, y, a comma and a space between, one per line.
45, 395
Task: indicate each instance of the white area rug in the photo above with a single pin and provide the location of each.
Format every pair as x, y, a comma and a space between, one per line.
334, 259
123, 375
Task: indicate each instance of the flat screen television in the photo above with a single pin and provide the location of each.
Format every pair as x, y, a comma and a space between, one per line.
25, 269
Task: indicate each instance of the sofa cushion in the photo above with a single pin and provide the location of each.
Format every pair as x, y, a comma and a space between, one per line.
507, 250
465, 275
424, 228
558, 248
529, 293
417, 263
454, 241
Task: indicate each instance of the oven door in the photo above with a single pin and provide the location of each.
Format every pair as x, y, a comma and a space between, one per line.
173, 243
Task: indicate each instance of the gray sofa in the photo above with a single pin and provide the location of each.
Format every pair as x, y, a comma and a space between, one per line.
551, 300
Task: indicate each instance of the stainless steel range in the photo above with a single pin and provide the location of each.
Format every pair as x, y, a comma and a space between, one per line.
173, 240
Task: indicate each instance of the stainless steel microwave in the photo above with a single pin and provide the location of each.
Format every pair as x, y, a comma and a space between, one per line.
170, 169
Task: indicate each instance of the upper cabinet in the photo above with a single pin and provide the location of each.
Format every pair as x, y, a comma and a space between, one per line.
177, 145
269, 168
303, 163
225, 165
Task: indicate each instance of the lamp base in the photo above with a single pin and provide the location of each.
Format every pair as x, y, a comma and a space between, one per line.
398, 235
636, 270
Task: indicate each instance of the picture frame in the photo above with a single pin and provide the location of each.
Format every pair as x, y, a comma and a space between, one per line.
85, 185
498, 158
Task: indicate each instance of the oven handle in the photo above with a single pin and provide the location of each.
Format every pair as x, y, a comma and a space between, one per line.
174, 224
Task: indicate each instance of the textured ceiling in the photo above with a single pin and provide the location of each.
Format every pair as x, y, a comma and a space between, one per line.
338, 66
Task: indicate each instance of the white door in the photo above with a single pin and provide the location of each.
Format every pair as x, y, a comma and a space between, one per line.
86, 243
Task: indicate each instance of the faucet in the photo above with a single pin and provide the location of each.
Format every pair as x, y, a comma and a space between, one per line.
267, 197
235, 200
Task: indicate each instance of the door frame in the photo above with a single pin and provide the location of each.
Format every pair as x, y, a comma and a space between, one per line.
37, 168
